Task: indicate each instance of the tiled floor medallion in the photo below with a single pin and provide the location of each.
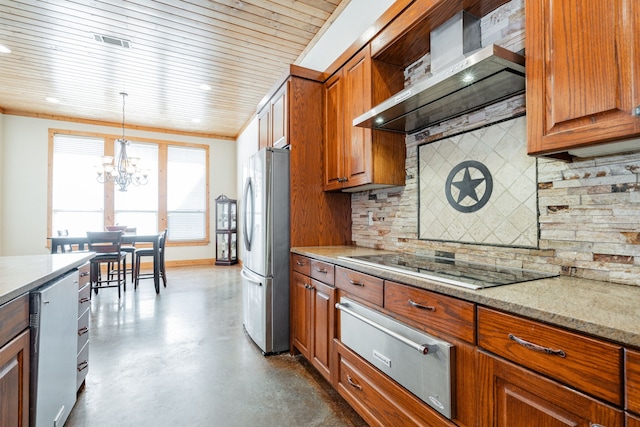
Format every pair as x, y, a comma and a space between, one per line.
480, 187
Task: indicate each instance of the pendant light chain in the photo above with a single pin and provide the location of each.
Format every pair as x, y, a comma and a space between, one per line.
123, 170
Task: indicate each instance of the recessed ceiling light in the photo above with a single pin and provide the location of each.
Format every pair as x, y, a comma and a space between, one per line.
205, 87
4, 49
468, 78
52, 100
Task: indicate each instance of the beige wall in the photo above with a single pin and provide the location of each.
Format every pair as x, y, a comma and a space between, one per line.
23, 185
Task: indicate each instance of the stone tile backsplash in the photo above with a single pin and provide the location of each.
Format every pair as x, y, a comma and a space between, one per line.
479, 187
589, 210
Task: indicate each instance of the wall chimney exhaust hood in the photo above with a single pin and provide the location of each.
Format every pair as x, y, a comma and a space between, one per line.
464, 78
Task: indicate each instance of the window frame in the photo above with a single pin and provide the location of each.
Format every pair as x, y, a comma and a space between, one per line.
109, 191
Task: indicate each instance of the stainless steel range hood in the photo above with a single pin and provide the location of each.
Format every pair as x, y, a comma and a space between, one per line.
472, 80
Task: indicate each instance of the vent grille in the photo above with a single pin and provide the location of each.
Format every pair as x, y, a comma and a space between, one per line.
113, 41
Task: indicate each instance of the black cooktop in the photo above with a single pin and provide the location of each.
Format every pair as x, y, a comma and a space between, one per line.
461, 273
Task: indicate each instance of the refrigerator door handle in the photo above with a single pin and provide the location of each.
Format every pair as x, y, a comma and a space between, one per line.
246, 275
248, 216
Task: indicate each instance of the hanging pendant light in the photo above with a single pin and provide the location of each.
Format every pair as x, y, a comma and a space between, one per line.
124, 170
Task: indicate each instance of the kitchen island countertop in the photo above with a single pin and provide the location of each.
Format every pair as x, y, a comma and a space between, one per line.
21, 274
603, 309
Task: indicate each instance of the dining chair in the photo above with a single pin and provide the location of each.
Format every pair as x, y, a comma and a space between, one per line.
106, 245
64, 248
142, 252
129, 248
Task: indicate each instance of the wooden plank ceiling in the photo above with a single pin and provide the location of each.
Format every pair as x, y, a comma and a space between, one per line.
237, 47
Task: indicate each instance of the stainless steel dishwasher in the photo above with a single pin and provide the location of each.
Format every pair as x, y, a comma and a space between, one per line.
414, 359
54, 333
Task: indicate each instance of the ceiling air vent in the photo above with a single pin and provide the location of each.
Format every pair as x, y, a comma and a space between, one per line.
112, 41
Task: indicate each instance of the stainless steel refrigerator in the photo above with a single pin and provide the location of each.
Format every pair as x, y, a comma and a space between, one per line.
265, 252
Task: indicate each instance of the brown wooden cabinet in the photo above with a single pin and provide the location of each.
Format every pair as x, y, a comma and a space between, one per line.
563, 355
14, 362
264, 128
512, 396
301, 314
312, 322
295, 106
583, 85
575, 368
358, 158
273, 120
632, 380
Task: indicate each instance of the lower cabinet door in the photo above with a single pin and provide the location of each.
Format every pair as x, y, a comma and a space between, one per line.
512, 396
323, 327
301, 313
379, 400
14, 382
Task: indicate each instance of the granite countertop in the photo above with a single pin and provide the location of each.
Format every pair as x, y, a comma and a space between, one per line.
21, 274
602, 309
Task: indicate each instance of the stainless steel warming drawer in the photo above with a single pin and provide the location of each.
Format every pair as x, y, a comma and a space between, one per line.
414, 359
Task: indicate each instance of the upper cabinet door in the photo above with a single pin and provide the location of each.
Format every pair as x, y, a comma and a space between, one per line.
279, 118
333, 134
357, 101
264, 128
583, 72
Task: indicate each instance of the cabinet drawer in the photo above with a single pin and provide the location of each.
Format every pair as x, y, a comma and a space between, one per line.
301, 264
632, 380
588, 364
449, 315
84, 300
14, 318
322, 271
82, 366
378, 399
361, 285
83, 275
83, 329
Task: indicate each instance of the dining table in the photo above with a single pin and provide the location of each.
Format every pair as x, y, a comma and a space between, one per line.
58, 242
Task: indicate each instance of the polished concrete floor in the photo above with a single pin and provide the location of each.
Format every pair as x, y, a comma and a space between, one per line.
181, 358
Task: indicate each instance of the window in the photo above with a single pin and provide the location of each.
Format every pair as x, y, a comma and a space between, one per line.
77, 202
176, 196
186, 192
138, 206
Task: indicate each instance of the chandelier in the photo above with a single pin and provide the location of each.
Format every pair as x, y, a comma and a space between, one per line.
124, 170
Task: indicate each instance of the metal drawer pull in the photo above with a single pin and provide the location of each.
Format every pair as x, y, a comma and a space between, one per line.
423, 307
358, 386
424, 349
308, 286
301, 263
536, 347
82, 331
84, 273
354, 283
83, 300
321, 270
83, 365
